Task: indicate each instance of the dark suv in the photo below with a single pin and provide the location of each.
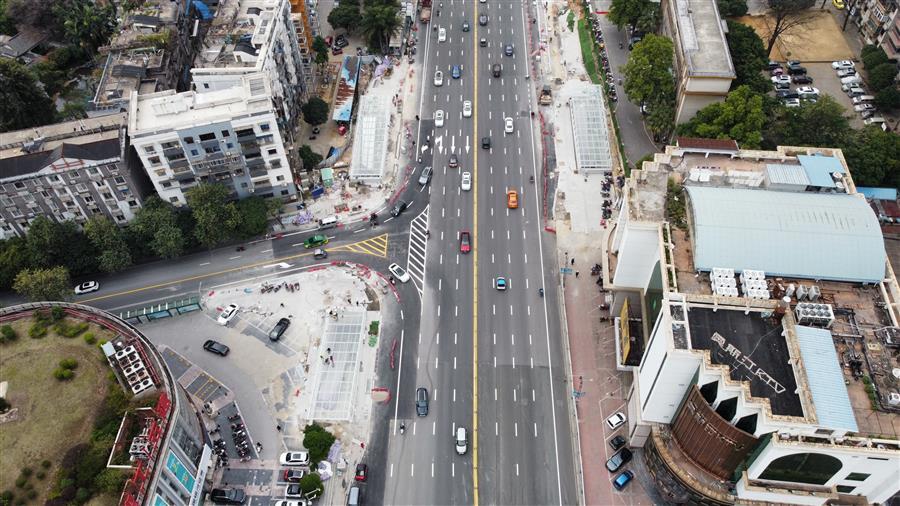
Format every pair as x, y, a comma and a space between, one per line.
618, 460
422, 401
227, 496
277, 331
495, 69
399, 207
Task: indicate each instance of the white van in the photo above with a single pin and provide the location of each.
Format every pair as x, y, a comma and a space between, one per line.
329, 222
874, 120
854, 79
862, 99
353, 498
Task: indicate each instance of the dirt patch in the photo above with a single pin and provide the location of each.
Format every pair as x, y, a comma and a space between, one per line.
53, 415
806, 43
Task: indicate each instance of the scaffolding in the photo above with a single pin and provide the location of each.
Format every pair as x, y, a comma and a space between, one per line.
591, 132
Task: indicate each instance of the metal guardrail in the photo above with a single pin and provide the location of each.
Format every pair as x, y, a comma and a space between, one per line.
166, 309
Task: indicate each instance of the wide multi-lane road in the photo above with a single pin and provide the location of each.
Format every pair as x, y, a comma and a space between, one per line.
492, 360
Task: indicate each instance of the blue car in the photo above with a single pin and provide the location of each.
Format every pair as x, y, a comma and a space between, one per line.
623, 480
455, 72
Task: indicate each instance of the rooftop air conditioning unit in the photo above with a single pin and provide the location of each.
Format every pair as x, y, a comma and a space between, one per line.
802, 290
814, 293
837, 176
894, 399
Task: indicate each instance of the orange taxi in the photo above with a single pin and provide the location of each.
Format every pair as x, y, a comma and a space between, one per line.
512, 198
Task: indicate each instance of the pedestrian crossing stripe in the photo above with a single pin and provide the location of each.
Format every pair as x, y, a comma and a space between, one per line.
375, 246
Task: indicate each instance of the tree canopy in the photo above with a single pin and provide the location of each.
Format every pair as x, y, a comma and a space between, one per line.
88, 22
23, 103
310, 158
378, 24
648, 73
786, 16
109, 240
821, 124
873, 157
643, 15
254, 217
740, 118
882, 76
156, 224
344, 16
217, 218
317, 441
732, 8
51, 284
315, 111
748, 56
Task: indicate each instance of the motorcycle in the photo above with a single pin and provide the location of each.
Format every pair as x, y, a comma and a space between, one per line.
402, 429
531, 179
541, 291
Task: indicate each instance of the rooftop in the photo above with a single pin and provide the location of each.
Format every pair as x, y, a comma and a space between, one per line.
702, 38
147, 19
240, 32
590, 131
159, 111
826, 382
126, 71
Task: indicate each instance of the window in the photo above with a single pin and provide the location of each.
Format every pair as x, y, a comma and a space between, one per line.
811, 468
120, 180
264, 127
167, 184
107, 195
119, 217
247, 132
81, 188
89, 199
170, 145
173, 200
19, 185
857, 476
93, 171
132, 203
189, 140
229, 145
45, 194
284, 192
266, 139
149, 149
54, 178
208, 137
276, 164
213, 149
226, 133
154, 160
5, 201
273, 151
205, 86
845, 489
244, 185
279, 178
73, 175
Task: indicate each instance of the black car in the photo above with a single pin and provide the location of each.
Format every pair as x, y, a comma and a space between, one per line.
802, 79
617, 442
482, 20
486, 142
277, 331
785, 94
227, 496
454, 161
422, 401
772, 65
796, 71
215, 347
495, 69
618, 460
399, 207
465, 26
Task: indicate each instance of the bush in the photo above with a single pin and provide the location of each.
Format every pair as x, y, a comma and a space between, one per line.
318, 441
32, 494
64, 329
68, 363
37, 331
40, 475
42, 316
89, 338
63, 374
46, 464
57, 313
7, 495
311, 482
869, 389
866, 380
21, 481
26, 472
7, 334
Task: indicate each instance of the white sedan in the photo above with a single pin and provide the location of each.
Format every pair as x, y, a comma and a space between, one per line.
467, 109
842, 65
438, 78
228, 314
781, 79
295, 459
863, 107
466, 183
616, 420
442, 35
439, 118
87, 287
807, 90
508, 125
399, 273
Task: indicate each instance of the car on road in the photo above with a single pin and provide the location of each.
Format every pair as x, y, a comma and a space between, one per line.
293, 491
512, 198
216, 347
465, 26
846, 73
508, 50
425, 176
455, 71
864, 107
294, 459
279, 329
227, 496
465, 242
442, 34
315, 241
439, 118
462, 441
438, 78
617, 442
293, 475
465, 182
508, 125
792, 102
486, 143
399, 273
454, 161
623, 480
398, 208
802, 79
496, 69
422, 401
87, 287
500, 283
482, 42
781, 79
362, 473
618, 460
228, 314
467, 109
482, 19
842, 64
615, 421
320, 253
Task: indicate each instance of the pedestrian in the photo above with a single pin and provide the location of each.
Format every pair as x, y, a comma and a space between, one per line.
417, 117
282, 304
576, 274
278, 427
573, 260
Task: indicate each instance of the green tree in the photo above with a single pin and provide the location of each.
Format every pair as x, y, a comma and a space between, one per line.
794, 125
156, 225
787, 16
740, 118
7, 24
274, 206
379, 23
310, 158
254, 219
888, 98
23, 104
873, 156
321, 49
648, 73
315, 112
88, 22
51, 243
311, 483
344, 16
111, 481
217, 218
317, 441
51, 284
13, 258
748, 56
882, 76
661, 118
732, 8
108, 239
32, 12
873, 56
641, 14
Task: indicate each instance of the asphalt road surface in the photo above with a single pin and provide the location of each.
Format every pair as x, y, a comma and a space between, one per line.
491, 359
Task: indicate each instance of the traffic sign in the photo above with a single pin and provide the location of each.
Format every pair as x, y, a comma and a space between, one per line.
566, 270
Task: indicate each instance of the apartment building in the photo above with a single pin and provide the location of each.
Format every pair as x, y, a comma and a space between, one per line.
304, 14
703, 67
890, 39
756, 328
69, 171
255, 36
229, 136
875, 18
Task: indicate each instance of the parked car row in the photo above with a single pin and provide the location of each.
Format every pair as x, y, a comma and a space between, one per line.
622, 456
852, 84
795, 74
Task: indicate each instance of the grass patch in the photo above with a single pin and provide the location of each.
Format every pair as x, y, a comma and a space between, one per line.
587, 51
570, 20
52, 415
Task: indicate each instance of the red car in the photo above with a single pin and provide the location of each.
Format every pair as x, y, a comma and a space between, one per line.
465, 242
362, 472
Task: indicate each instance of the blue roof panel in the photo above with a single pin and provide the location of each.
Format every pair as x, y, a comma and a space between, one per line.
819, 169
878, 193
793, 234
826, 381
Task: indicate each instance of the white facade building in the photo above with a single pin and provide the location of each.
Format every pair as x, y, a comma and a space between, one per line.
228, 137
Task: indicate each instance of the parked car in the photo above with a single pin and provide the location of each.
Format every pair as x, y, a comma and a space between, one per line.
279, 329
854, 90
617, 442
863, 99
294, 459
783, 85
293, 491
838, 4
623, 480
874, 120
846, 73
399, 273
783, 94
362, 472
802, 79
616, 420
228, 314
795, 71
87, 287
618, 460
777, 71
227, 496
864, 107
772, 65
422, 401
792, 102
293, 475
781, 79
216, 347
854, 79
843, 64
296, 502
805, 91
